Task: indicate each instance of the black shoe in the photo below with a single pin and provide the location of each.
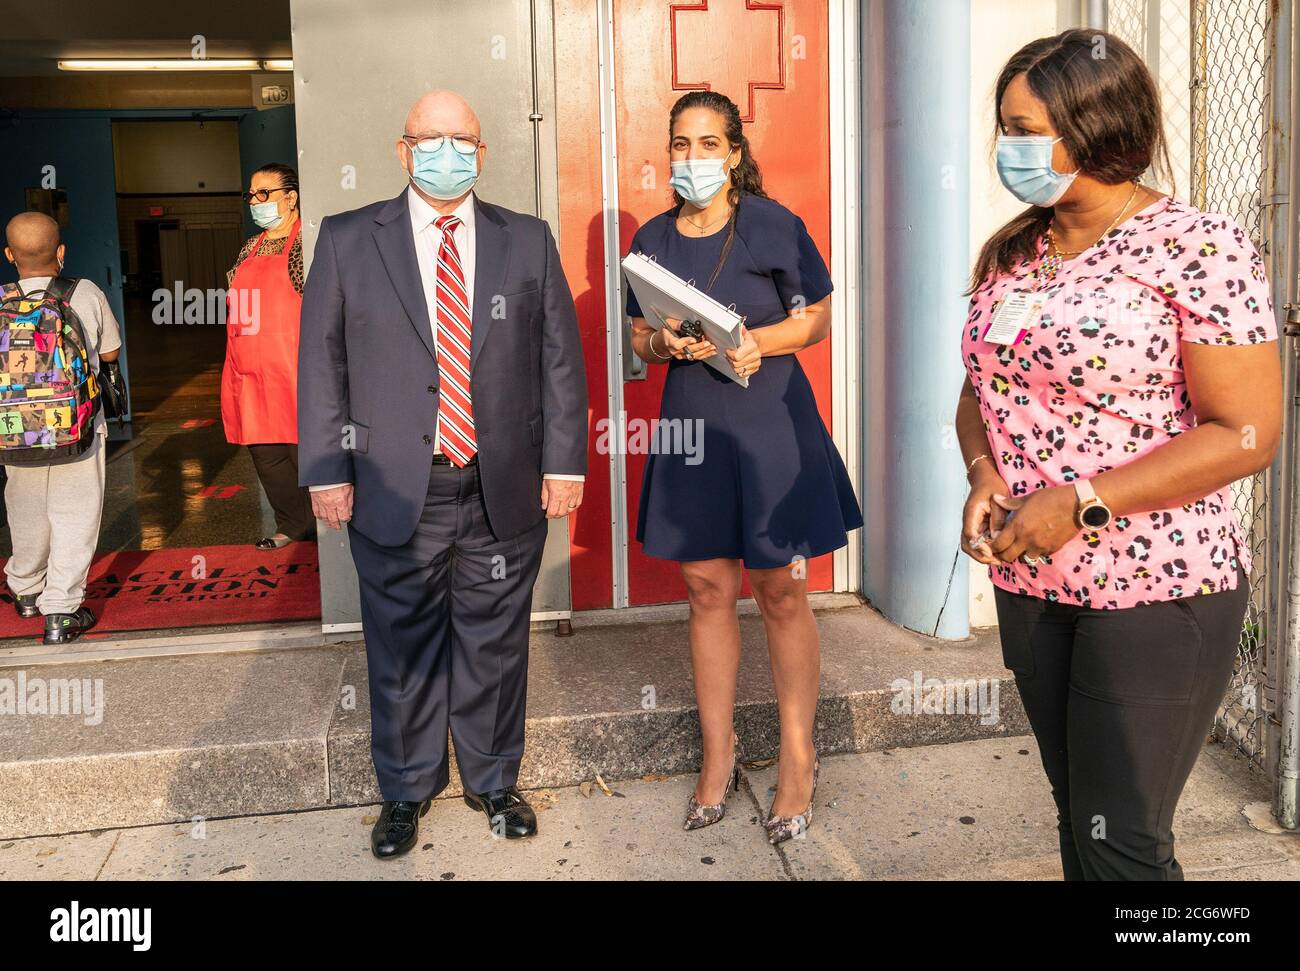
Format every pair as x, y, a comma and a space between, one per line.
271, 543
397, 828
62, 628
508, 813
26, 605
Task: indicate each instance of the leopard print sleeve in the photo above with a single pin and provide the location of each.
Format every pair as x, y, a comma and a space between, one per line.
296, 274
1205, 266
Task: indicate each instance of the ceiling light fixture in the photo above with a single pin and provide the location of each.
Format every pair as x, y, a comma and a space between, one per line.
176, 64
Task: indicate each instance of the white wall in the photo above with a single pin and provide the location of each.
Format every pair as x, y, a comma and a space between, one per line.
999, 28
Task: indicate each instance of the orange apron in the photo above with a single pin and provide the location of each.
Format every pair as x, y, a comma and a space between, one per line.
259, 386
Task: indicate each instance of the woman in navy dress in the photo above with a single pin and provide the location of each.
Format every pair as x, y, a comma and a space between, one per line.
769, 490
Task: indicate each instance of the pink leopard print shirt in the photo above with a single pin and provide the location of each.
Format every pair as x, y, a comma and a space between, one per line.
1099, 382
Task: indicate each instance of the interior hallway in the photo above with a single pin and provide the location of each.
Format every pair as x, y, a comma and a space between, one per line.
172, 479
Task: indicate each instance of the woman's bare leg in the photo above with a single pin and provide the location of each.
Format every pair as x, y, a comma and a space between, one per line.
792, 644
713, 587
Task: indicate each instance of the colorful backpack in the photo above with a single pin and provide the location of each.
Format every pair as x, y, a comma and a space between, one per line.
48, 392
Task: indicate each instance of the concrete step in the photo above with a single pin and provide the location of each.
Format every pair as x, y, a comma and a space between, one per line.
277, 729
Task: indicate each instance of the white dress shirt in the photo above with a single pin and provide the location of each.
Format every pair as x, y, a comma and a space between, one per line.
428, 240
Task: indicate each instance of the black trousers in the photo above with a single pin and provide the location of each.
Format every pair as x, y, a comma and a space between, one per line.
277, 470
445, 619
1120, 702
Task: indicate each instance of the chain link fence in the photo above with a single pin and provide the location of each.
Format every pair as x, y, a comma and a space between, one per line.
1128, 20
1213, 63
1232, 46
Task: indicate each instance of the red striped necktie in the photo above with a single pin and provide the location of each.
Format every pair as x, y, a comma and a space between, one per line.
455, 407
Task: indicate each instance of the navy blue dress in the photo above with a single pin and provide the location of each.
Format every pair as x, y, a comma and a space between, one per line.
769, 484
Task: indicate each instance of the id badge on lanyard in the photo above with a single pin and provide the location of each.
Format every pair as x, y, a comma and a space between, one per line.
1016, 316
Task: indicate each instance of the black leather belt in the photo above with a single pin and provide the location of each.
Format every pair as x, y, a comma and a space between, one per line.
440, 459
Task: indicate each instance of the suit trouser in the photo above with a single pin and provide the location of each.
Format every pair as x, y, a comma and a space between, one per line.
446, 619
54, 515
1120, 702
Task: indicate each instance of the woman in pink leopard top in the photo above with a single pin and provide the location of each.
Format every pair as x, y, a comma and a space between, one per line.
1122, 371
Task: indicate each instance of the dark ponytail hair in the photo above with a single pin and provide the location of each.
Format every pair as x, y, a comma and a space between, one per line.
287, 174
1103, 103
746, 179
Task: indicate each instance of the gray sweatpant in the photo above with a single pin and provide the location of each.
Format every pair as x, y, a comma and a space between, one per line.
54, 513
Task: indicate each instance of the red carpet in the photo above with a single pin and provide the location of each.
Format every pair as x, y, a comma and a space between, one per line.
199, 587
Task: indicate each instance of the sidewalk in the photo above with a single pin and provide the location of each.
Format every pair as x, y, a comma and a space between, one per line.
966, 810
236, 727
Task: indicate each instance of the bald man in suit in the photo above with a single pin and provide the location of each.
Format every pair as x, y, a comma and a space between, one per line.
443, 418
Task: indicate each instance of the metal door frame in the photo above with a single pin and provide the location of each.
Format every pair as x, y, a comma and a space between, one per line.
623, 365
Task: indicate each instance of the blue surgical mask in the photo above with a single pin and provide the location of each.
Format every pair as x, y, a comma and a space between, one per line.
1025, 167
444, 173
698, 180
266, 214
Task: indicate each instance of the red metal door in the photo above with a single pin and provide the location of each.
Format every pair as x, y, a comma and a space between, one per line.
771, 58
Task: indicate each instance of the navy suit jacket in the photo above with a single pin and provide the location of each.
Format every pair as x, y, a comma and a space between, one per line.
368, 373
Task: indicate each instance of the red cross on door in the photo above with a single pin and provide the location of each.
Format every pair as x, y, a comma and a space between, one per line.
752, 57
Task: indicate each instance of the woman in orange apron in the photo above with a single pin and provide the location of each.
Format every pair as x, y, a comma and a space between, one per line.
259, 386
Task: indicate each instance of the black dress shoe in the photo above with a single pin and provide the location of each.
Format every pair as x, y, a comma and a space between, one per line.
508, 813
26, 605
62, 628
397, 828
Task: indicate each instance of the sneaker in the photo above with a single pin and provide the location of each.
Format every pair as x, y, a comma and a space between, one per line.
25, 604
62, 628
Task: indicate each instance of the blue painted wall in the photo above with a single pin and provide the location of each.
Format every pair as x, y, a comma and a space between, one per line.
80, 147
266, 136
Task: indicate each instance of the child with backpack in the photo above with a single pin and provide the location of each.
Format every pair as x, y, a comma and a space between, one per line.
54, 333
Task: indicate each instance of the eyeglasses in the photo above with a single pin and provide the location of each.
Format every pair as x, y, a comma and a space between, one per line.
261, 195
464, 144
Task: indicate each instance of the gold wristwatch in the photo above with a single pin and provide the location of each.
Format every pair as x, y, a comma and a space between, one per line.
1091, 512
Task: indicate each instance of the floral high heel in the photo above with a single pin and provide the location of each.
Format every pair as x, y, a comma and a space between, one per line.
781, 828
699, 815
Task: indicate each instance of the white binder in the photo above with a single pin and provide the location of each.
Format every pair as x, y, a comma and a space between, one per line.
662, 294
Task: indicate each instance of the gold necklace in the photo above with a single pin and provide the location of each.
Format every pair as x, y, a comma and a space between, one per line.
700, 229
1051, 236
1055, 258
